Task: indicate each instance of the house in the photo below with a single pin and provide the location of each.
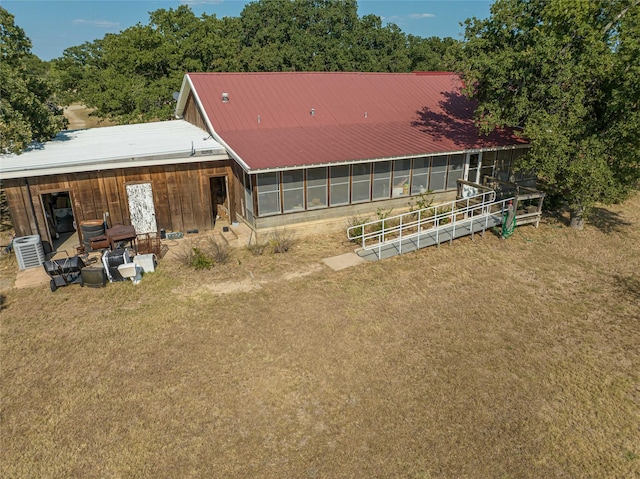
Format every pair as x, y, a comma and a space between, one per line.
269, 149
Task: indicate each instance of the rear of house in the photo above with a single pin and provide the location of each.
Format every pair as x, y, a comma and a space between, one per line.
269, 149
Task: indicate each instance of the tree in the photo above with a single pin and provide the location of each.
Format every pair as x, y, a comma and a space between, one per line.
130, 76
567, 73
27, 109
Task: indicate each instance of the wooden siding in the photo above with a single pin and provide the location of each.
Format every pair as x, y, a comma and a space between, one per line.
22, 217
181, 194
193, 114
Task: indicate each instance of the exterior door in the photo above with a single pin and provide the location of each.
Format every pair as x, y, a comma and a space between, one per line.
141, 208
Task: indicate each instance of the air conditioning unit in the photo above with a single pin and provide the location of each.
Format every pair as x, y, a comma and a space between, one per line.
28, 251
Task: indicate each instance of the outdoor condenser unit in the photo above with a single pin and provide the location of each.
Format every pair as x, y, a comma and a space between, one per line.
28, 251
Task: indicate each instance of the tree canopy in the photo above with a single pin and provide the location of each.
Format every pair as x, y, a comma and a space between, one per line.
131, 76
27, 110
567, 72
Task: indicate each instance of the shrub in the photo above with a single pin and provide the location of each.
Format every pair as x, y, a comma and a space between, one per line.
281, 241
219, 252
200, 260
193, 257
356, 223
257, 248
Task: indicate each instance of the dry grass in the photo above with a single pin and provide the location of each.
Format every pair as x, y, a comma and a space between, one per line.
510, 359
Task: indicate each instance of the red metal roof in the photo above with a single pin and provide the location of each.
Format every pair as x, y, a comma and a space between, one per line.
276, 120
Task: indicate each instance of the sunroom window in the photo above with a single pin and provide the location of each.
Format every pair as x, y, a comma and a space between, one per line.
361, 183
268, 185
438, 173
420, 181
293, 190
339, 185
316, 188
456, 171
401, 177
381, 180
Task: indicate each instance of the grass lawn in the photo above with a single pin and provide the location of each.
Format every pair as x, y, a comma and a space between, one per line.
483, 359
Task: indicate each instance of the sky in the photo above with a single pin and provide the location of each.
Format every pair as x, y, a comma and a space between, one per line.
54, 25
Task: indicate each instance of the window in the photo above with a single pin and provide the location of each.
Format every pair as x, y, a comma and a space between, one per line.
488, 163
474, 166
420, 183
438, 173
268, 194
503, 165
401, 177
293, 190
361, 183
248, 198
316, 188
339, 185
381, 180
456, 170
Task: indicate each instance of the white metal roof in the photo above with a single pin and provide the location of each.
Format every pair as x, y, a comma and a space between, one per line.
125, 146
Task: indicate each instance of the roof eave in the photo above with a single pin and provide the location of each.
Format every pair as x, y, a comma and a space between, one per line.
111, 164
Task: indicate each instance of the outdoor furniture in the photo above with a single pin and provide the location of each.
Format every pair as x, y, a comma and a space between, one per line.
121, 233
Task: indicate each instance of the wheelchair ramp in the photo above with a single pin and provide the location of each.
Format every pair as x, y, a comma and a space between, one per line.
430, 226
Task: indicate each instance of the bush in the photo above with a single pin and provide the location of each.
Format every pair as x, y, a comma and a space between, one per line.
257, 248
281, 241
194, 257
219, 252
200, 260
356, 223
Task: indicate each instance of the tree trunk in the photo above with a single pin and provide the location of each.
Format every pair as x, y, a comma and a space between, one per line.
576, 218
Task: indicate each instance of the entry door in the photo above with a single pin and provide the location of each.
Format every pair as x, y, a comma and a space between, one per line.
141, 208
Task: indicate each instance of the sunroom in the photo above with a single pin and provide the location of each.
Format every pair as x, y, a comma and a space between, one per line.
360, 187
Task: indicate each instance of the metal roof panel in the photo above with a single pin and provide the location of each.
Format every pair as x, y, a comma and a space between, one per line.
274, 120
113, 147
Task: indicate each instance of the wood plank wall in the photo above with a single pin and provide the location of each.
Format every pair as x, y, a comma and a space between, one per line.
181, 194
192, 113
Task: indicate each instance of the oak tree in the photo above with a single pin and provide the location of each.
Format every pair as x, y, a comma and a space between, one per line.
566, 72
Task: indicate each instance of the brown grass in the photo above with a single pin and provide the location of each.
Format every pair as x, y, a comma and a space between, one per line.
487, 358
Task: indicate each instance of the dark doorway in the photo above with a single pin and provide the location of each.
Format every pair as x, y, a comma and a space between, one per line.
219, 198
59, 215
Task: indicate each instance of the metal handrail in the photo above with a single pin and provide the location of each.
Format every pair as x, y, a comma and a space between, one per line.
395, 229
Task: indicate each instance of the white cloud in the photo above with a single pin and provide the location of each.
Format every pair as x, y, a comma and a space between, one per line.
96, 23
418, 16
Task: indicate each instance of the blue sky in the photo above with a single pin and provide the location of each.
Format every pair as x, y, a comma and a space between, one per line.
54, 25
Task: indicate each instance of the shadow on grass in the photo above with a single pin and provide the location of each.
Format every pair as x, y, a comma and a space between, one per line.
628, 285
607, 221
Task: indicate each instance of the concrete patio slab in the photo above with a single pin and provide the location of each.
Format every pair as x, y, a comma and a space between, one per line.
343, 261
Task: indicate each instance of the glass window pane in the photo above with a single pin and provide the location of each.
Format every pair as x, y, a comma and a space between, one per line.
293, 190
456, 170
339, 185
503, 165
438, 173
474, 166
420, 177
268, 194
381, 180
488, 162
401, 177
361, 183
316, 188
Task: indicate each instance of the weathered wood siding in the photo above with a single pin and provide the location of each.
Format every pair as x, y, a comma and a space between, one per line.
193, 114
181, 194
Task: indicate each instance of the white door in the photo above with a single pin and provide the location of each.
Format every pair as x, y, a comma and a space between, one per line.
141, 208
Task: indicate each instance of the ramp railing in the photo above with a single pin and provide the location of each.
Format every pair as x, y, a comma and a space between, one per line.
464, 215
